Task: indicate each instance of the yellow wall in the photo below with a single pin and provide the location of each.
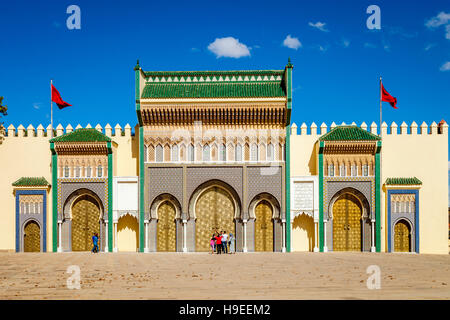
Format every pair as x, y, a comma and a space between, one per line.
127, 234
303, 233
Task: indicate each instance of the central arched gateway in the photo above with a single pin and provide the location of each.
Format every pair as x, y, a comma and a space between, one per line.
85, 222
214, 211
347, 213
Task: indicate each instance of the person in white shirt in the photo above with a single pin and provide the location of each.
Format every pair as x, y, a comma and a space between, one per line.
225, 241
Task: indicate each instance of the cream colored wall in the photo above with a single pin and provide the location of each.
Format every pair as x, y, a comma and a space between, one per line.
127, 234
125, 153
424, 156
304, 159
22, 157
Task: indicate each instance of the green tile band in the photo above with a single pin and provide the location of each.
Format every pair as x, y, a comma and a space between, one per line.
378, 197
321, 233
110, 198
54, 198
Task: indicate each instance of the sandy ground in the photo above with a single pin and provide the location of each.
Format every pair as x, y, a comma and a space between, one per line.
240, 276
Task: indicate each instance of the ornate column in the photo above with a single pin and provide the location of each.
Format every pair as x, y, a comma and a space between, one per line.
244, 249
106, 236
373, 247
115, 237
316, 236
184, 235
146, 249
325, 248
59, 236
283, 237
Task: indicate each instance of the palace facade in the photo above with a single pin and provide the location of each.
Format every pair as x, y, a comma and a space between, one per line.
216, 150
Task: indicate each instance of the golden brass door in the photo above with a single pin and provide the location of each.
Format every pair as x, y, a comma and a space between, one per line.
166, 229
263, 227
85, 222
214, 211
347, 224
402, 237
32, 237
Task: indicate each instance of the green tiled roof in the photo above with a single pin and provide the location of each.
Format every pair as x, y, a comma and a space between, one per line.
82, 135
349, 133
214, 90
403, 181
217, 73
30, 182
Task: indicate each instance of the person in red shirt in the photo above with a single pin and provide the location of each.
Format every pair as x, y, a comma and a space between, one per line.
219, 243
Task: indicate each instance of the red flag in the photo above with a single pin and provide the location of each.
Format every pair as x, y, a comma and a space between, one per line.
56, 97
385, 96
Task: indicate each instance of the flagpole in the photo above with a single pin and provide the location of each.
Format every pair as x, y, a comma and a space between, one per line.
381, 109
51, 107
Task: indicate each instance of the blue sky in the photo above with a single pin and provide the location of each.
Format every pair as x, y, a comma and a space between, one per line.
337, 59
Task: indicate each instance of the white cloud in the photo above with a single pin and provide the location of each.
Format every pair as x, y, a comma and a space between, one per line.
228, 47
319, 25
323, 48
369, 45
429, 46
441, 19
37, 105
445, 66
292, 43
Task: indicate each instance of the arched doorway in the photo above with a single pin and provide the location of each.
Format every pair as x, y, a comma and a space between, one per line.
303, 237
166, 228
85, 222
127, 233
402, 237
214, 211
347, 213
263, 226
32, 237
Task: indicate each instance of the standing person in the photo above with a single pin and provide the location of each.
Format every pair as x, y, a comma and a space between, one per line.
95, 243
225, 241
219, 243
231, 242
212, 242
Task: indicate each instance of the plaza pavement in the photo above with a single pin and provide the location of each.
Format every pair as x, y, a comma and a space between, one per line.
240, 276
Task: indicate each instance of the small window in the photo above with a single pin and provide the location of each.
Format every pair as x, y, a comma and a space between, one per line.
222, 152
66, 172
254, 152
206, 153
413, 207
354, 171
36, 208
22, 208
393, 207
365, 170
238, 153
331, 170
175, 152
77, 172
88, 172
191, 153
407, 206
99, 171
159, 153
145, 153
342, 170
270, 152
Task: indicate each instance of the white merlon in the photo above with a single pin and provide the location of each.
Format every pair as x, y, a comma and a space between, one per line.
373, 128
128, 130
433, 128
40, 130
333, 125
414, 128
323, 128
69, 128
423, 128
343, 123
353, 123
394, 128
59, 130
384, 127
294, 129
313, 129
30, 131
117, 130
303, 129
11, 131
20, 131
49, 131
98, 127
108, 130
364, 126
78, 127
403, 128
88, 126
